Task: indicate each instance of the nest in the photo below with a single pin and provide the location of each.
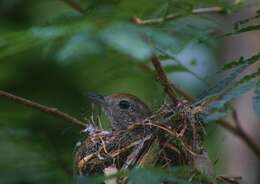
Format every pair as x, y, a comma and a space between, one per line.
172, 136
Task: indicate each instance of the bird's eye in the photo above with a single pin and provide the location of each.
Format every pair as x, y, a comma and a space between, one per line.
123, 104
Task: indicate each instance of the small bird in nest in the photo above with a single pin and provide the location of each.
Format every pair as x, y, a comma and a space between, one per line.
122, 109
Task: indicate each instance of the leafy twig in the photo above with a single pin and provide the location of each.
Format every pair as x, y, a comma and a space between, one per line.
139, 21
164, 80
170, 90
49, 110
190, 71
173, 57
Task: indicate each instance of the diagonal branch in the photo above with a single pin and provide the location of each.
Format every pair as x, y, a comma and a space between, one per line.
139, 21
49, 110
167, 86
242, 135
170, 89
73, 4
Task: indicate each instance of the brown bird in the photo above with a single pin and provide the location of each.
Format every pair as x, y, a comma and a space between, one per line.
122, 109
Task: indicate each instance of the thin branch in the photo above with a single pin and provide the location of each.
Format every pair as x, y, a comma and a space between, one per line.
247, 139
214, 9
139, 21
167, 86
49, 110
237, 122
242, 135
73, 4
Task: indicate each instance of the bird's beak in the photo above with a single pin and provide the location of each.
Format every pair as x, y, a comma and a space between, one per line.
97, 98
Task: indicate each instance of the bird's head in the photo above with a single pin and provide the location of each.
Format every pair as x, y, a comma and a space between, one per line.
122, 109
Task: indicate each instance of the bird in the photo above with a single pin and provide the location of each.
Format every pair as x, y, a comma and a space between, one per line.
122, 109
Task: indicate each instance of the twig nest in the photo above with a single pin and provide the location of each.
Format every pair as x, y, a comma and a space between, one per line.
170, 137
102, 149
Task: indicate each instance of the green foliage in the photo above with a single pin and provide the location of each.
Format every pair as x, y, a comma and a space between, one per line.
226, 89
246, 25
235, 68
218, 108
231, 94
86, 39
127, 39
17, 42
256, 100
180, 175
240, 23
175, 68
56, 61
80, 45
220, 85
156, 176
241, 61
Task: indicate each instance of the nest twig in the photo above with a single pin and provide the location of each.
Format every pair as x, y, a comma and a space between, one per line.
172, 136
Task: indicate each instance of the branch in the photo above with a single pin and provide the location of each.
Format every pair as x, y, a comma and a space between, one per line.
139, 21
242, 135
73, 4
170, 89
49, 110
167, 86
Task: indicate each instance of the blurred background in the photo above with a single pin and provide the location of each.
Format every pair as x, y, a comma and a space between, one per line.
58, 71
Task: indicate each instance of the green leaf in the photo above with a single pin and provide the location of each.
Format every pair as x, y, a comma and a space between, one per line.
239, 26
155, 176
236, 67
80, 45
138, 176
217, 109
17, 42
201, 27
127, 39
223, 83
247, 29
163, 39
21, 41
232, 94
250, 76
175, 68
251, 60
240, 23
90, 179
256, 100
139, 42
49, 32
